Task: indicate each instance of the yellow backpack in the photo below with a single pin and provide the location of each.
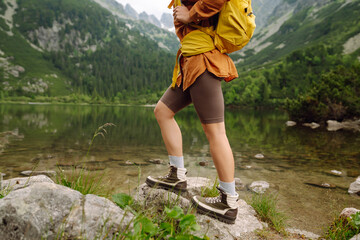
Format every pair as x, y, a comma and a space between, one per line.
235, 27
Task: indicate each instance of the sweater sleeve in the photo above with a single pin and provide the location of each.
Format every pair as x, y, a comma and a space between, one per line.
204, 9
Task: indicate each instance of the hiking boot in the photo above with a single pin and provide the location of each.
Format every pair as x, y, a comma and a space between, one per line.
223, 207
175, 180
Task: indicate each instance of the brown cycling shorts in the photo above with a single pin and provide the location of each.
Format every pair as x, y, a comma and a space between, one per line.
206, 95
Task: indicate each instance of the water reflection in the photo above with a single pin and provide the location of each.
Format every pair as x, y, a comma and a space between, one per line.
59, 135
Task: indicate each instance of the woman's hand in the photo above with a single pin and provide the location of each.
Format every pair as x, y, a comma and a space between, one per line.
181, 14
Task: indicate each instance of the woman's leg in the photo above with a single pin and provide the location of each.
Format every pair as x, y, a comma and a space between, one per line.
170, 130
220, 150
208, 100
172, 101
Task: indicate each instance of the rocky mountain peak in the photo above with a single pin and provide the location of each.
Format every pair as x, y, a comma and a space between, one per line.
167, 20
131, 12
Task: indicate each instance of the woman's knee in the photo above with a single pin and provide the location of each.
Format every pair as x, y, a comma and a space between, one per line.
214, 130
162, 111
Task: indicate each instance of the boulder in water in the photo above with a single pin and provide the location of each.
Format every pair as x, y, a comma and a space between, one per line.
259, 186
355, 187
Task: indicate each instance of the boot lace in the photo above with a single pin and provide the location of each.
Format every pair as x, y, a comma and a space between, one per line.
168, 175
213, 199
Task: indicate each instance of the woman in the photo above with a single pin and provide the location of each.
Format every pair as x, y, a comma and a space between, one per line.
199, 82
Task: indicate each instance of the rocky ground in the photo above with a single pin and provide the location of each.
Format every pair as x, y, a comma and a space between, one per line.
36, 207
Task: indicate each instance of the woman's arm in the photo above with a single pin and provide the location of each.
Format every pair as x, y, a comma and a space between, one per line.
202, 9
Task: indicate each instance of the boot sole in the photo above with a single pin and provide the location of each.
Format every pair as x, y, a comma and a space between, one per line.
176, 188
218, 216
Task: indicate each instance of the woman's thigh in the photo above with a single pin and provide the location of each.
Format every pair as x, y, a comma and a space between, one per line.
176, 99
207, 97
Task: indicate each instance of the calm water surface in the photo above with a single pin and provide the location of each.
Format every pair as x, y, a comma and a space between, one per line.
51, 135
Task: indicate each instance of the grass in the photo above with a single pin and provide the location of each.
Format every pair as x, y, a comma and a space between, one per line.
100, 131
82, 180
211, 191
265, 206
4, 190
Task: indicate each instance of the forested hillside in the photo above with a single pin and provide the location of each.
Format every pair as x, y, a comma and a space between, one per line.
62, 47
297, 50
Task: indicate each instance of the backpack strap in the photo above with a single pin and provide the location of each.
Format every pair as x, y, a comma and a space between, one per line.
174, 3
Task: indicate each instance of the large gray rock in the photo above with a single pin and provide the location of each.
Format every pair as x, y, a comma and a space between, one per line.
355, 187
157, 196
17, 183
245, 223
50, 211
152, 197
96, 218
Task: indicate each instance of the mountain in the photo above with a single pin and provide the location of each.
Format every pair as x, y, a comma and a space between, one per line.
294, 24
149, 18
54, 48
148, 25
167, 20
131, 12
263, 10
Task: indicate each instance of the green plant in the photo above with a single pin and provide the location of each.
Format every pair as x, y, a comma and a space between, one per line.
355, 221
265, 206
210, 191
344, 228
99, 131
4, 191
122, 200
155, 223
82, 180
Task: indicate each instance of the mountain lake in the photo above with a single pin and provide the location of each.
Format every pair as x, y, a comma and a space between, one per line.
46, 137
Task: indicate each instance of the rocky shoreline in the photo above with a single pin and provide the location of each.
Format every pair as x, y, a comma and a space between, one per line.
38, 208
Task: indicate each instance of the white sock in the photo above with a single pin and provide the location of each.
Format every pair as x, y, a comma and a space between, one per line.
228, 187
176, 161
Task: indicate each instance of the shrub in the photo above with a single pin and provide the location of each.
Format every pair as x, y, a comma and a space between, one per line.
335, 96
